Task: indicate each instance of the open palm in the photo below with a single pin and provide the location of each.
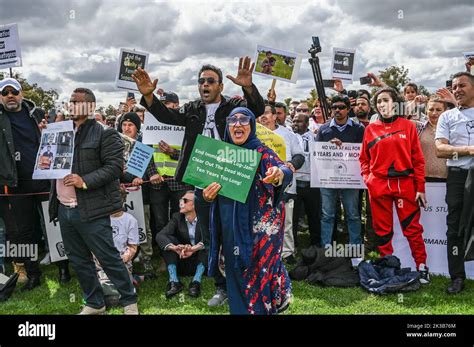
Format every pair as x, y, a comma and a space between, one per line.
143, 81
244, 73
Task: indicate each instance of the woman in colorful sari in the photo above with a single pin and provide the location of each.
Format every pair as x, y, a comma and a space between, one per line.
251, 233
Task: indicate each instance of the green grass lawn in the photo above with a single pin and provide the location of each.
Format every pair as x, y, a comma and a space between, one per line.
280, 69
53, 298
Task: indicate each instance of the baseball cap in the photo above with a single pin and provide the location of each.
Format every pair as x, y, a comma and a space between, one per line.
10, 82
169, 97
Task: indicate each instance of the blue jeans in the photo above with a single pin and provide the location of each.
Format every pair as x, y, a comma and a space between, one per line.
350, 201
2, 240
81, 239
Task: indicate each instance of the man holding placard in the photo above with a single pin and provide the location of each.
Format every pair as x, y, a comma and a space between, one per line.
206, 116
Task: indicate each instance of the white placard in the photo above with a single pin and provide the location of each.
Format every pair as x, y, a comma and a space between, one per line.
134, 206
55, 239
154, 131
56, 150
433, 219
342, 66
277, 64
336, 166
129, 61
10, 50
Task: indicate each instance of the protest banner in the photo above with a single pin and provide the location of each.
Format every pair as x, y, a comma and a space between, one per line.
129, 61
56, 150
139, 159
53, 233
10, 50
433, 219
231, 166
134, 206
272, 140
342, 63
155, 131
336, 166
277, 64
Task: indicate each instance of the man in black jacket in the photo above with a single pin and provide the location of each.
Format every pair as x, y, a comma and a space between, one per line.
183, 250
205, 116
19, 143
83, 202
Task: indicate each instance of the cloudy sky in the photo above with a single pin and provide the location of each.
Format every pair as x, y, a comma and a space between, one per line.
66, 43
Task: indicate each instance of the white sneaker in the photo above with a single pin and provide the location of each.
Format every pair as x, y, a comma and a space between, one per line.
131, 309
46, 260
87, 310
424, 274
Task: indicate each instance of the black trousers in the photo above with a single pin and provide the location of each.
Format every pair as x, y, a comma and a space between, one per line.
202, 208
454, 198
311, 199
19, 214
163, 203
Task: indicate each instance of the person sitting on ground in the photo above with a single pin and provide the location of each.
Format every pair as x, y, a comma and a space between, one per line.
183, 250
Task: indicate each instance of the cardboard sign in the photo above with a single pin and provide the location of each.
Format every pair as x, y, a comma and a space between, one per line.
10, 51
343, 63
139, 159
129, 61
272, 140
231, 166
277, 64
55, 239
155, 131
134, 206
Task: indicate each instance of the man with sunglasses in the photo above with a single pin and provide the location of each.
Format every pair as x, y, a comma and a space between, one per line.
19, 143
339, 130
182, 247
205, 116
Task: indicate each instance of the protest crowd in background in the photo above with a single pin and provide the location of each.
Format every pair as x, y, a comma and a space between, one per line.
405, 139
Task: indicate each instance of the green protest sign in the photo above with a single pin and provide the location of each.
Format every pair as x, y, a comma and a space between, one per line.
231, 166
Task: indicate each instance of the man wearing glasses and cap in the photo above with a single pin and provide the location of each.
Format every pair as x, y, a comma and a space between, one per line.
205, 116
19, 143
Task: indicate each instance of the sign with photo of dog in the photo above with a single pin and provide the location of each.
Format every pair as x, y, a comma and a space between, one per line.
129, 61
277, 64
343, 63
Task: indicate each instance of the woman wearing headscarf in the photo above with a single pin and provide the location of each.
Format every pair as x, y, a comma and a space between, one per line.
251, 233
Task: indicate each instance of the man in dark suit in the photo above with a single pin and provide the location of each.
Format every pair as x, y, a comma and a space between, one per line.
183, 249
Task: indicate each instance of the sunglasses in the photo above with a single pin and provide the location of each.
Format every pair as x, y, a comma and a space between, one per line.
185, 200
302, 110
14, 92
338, 107
209, 80
243, 120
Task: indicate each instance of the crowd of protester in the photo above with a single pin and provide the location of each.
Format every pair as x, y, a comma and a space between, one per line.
407, 139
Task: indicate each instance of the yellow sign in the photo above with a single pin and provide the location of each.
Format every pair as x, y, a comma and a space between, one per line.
272, 140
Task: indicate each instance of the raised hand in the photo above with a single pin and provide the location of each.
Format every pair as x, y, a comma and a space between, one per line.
244, 73
144, 83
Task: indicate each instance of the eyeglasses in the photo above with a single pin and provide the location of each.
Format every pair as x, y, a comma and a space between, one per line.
338, 107
13, 91
209, 80
242, 120
302, 110
185, 200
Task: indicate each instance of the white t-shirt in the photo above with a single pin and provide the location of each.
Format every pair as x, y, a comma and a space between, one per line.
457, 126
305, 140
125, 231
292, 148
210, 129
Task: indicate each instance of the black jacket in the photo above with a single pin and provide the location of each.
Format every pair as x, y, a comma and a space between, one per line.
177, 229
8, 171
98, 159
192, 115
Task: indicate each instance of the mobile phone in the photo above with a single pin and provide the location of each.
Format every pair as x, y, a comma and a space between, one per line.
365, 80
130, 95
421, 203
328, 83
449, 83
352, 94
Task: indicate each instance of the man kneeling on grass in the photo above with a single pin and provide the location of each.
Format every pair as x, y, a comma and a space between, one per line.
183, 250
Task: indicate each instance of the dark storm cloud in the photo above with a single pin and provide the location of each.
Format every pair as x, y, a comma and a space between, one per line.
408, 15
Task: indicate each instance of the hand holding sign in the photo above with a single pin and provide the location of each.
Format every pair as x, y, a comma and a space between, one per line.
244, 73
210, 192
273, 175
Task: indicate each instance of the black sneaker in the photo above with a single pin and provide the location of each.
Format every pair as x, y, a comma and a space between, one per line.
456, 286
424, 274
173, 288
194, 289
